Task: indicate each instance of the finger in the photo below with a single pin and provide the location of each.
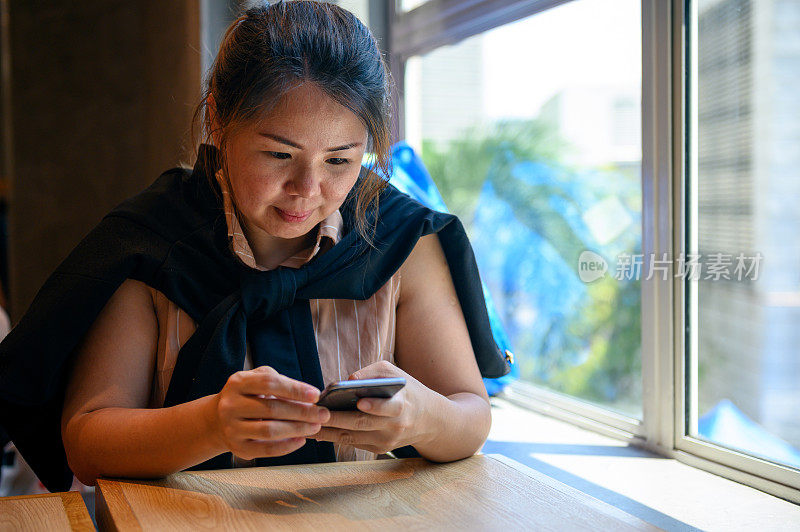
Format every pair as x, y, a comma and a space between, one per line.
254, 407
266, 381
256, 449
271, 429
353, 421
375, 406
348, 437
370, 448
376, 370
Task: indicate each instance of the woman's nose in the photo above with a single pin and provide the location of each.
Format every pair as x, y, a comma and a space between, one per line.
303, 183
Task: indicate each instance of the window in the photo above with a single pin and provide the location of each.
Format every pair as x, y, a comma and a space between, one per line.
534, 140
408, 5
661, 137
743, 311
359, 8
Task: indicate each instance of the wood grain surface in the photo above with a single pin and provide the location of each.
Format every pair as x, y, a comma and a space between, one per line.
483, 492
52, 512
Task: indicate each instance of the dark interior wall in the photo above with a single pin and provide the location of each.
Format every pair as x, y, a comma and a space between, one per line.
101, 95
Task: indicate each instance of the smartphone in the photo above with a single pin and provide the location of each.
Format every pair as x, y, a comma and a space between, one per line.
343, 395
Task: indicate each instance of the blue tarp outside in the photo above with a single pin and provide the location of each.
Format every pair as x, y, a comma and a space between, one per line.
728, 426
517, 260
410, 176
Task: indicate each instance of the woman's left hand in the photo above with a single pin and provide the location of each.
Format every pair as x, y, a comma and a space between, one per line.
380, 424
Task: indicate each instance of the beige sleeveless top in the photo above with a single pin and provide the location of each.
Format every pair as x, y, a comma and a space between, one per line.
350, 334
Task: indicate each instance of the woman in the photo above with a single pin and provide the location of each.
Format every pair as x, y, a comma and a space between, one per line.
279, 253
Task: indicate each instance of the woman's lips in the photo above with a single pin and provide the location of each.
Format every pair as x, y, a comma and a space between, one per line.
293, 216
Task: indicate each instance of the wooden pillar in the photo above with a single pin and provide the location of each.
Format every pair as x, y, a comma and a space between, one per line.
101, 96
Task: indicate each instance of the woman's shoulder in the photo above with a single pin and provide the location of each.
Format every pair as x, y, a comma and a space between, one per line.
178, 202
133, 293
139, 236
425, 264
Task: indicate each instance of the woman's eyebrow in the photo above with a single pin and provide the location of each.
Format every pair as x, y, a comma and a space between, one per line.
345, 147
284, 140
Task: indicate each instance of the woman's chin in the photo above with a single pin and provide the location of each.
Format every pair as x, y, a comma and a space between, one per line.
292, 230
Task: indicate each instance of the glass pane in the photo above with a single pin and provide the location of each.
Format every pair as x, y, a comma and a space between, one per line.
408, 5
359, 8
748, 228
532, 133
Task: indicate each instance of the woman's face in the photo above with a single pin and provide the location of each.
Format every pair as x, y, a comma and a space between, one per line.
295, 166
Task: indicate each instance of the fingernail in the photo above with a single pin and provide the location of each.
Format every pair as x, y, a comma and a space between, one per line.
322, 414
311, 394
366, 404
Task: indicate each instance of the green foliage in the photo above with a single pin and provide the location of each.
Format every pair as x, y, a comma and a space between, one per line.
611, 322
594, 353
460, 166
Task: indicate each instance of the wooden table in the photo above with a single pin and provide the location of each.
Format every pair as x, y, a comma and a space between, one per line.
52, 511
483, 492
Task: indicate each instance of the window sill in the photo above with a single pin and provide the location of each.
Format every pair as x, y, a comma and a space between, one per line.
662, 491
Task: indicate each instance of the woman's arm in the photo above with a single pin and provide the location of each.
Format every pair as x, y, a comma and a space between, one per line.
444, 410
105, 427
108, 431
433, 345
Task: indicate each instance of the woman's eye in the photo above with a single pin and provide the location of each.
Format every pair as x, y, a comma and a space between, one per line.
338, 160
279, 155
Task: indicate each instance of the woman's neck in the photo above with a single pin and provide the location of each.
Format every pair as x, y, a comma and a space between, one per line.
270, 251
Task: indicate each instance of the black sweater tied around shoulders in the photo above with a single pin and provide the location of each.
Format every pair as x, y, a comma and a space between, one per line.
173, 237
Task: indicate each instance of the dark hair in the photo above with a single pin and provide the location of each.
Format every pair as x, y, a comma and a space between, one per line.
270, 49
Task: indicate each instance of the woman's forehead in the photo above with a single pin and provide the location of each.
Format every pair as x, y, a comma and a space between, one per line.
307, 113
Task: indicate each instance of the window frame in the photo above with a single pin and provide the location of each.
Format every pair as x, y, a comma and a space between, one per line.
667, 151
769, 476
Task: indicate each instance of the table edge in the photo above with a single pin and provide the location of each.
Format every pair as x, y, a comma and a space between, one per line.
76, 510
122, 517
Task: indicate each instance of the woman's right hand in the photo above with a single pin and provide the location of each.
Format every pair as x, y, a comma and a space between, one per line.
261, 413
